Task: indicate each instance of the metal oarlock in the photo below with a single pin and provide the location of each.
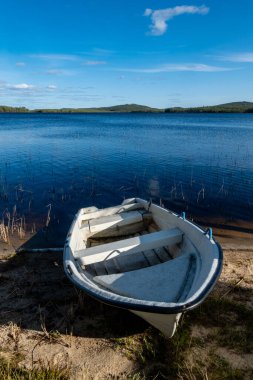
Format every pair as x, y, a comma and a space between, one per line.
209, 232
183, 215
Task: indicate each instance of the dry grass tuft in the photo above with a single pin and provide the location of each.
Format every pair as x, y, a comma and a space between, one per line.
10, 370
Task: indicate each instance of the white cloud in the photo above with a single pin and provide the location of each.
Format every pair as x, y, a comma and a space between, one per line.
46, 96
238, 57
195, 67
21, 86
94, 63
148, 12
160, 17
8, 87
51, 87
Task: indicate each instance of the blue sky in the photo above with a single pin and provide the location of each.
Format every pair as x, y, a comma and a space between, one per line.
85, 53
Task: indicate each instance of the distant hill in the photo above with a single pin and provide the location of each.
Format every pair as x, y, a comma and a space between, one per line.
234, 107
119, 108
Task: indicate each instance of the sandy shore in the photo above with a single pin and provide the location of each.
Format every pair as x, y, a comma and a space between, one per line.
45, 320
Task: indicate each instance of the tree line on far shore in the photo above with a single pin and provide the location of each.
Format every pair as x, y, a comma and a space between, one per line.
7, 109
235, 107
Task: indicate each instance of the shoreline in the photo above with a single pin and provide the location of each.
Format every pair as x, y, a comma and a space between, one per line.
46, 322
229, 232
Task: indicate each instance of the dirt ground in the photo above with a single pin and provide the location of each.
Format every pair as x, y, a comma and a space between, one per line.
45, 320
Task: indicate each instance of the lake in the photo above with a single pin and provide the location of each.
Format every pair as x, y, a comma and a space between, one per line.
72, 160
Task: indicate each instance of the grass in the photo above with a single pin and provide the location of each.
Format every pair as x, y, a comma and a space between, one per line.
187, 357
214, 367
233, 322
141, 347
158, 357
220, 369
9, 370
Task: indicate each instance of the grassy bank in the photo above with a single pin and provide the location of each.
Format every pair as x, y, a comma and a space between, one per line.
50, 330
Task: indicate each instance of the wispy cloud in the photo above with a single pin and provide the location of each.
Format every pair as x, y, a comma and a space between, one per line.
94, 63
20, 64
118, 97
60, 72
20, 86
160, 17
51, 87
26, 88
102, 51
238, 57
95, 52
195, 67
56, 57
47, 95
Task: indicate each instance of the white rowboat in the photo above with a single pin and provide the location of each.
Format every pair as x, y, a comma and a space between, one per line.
144, 258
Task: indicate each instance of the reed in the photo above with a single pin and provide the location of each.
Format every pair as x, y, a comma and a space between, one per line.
48, 214
4, 233
11, 224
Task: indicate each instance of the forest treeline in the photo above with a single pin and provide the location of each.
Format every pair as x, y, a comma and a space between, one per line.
235, 107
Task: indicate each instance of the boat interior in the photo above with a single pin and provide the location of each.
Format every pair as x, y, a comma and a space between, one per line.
124, 241
132, 251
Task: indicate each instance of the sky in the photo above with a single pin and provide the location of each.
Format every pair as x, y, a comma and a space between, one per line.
92, 53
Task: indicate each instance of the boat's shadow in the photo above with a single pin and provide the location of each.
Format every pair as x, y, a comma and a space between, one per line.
37, 295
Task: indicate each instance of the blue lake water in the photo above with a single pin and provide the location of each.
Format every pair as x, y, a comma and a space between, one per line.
75, 160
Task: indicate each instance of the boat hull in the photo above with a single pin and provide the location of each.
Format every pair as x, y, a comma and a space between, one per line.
166, 323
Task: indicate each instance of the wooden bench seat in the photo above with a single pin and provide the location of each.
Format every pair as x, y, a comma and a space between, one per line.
129, 246
110, 211
117, 224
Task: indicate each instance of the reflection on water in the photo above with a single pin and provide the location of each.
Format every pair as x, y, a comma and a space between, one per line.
69, 161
